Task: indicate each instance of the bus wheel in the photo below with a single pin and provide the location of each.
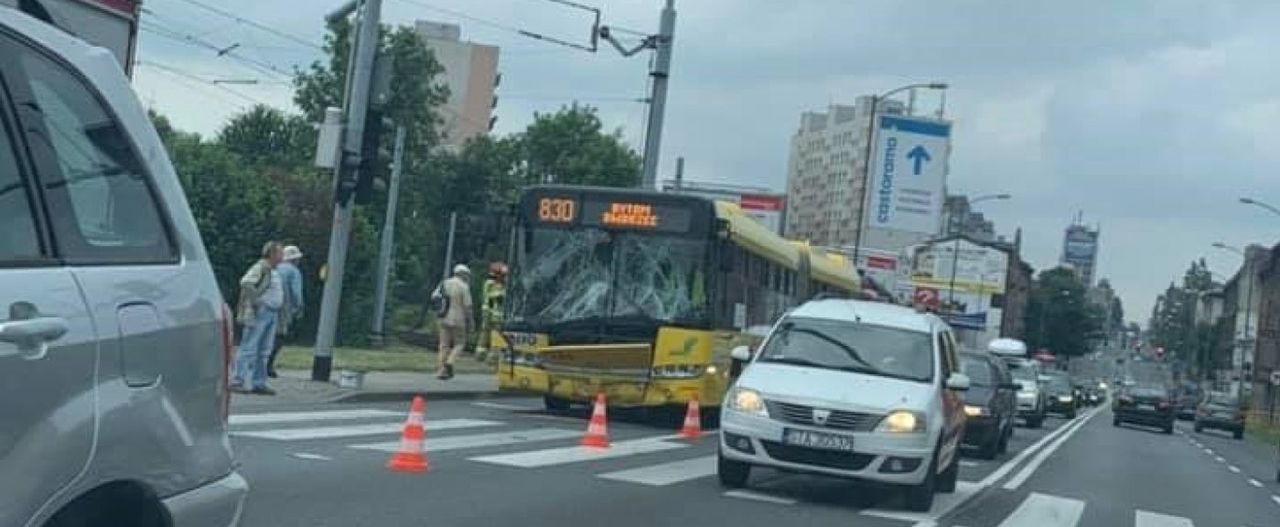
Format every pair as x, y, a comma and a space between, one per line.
555, 404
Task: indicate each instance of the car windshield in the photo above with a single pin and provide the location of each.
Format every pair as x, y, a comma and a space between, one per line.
1222, 399
977, 369
1023, 373
1059, 383
851, 346
1150, 392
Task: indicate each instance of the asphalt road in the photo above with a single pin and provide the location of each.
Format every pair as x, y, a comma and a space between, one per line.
505, 461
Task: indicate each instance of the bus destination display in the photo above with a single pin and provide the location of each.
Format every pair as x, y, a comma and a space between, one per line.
612, 214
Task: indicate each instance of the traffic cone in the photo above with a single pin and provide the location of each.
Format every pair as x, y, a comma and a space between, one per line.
411, 457
597, 435
692, 421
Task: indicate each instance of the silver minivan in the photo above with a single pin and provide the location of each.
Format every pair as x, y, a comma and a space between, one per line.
114, 339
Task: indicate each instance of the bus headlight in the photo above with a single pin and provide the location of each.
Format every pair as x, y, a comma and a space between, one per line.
680, 371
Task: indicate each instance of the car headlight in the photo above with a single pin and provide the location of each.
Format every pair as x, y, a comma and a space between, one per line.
975, 411
748, 401
1064, 398
901, 422
680, 371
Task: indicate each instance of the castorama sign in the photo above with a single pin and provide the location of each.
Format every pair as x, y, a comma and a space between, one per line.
909, 174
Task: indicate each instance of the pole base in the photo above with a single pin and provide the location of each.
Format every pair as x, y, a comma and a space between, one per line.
321, 368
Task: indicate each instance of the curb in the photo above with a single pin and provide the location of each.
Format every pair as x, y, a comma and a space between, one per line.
405, 395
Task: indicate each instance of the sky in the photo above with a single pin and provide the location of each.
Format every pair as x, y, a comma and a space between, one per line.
1152, 117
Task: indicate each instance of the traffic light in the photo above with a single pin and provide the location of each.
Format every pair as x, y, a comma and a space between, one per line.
373, 165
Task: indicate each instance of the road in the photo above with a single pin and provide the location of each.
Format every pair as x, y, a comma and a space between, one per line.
505, 461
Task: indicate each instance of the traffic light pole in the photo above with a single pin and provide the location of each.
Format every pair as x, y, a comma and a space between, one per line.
387, 248
362, 55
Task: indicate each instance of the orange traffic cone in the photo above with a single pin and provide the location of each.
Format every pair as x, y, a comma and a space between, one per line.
412, 456
597, 435
692, 428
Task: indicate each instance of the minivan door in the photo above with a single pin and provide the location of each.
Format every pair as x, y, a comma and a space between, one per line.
48, 350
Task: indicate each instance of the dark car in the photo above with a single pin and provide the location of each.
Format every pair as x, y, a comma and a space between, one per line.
1145, 405
1060, 396
1220, 411
990, 404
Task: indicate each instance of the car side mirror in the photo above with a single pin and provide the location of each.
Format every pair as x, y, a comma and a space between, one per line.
740, 354
1017, 387
958, 382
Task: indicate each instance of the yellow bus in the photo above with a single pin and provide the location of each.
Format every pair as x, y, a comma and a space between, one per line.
641, 295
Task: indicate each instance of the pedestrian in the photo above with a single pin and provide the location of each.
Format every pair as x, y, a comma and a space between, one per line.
493, 294
291, 279
456, 320
261, 297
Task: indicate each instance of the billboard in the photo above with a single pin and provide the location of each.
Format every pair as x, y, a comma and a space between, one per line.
1080, 245
766, 209
757, 203
908, 174
963, 280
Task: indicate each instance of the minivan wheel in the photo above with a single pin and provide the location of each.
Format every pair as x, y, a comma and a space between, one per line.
733, 474
991, 448
919, 497
947, 481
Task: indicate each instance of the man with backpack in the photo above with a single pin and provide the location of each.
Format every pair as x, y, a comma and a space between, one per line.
452, 302
261, 298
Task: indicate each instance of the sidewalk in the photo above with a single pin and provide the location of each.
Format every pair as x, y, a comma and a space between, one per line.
295, 387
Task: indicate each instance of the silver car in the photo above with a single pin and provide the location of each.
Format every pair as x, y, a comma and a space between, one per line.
114, 339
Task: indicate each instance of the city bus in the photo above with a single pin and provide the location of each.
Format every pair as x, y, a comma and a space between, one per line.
641, 295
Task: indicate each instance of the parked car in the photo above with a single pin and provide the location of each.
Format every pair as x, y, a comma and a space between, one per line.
1059, 394
114, 338
990, 404
1220, 411
852, 389
1148, 405
1032, 401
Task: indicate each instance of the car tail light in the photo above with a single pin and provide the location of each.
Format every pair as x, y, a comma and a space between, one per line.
1124, 400
1163, 405
226, 329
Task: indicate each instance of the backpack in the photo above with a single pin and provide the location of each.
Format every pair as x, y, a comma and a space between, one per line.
439, 301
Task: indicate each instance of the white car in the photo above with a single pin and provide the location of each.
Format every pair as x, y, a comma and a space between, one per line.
853, 389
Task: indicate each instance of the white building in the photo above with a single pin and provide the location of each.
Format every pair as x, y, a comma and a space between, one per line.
470, 74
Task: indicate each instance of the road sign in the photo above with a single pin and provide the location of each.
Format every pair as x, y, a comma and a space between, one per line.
926, 296
909, 173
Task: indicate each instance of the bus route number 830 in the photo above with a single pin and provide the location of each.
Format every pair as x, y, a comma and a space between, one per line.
556, 210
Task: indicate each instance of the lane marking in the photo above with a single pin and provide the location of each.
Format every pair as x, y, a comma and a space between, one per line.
970, 464
311, 457
1044, 510
1208, 451
1220, 459
1234, 468
297, 417
1143, 518
1275, 499
1255, 483
942, 504
758, 496
577, 454
329, 432
1025, 453
1026, 472
666, 473
476, 440
501, 406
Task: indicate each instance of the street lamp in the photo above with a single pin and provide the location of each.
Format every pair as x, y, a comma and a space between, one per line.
866, 164
1247, 267
955, 249
1251, 201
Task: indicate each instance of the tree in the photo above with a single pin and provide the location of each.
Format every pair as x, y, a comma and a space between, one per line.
1059, 318
570, 147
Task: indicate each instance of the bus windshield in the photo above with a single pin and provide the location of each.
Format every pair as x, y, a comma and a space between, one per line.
568, 275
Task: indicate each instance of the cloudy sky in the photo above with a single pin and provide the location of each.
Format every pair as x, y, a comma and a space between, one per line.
1151, 116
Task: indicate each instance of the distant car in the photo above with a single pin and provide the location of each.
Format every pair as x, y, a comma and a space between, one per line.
1148, 405
1220, 411
990, 404
1059, 394
1031, 398
853, 389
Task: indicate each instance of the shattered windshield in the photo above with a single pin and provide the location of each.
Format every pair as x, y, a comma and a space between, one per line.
569, 275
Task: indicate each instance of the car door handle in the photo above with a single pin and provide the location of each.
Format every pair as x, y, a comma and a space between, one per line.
32, 336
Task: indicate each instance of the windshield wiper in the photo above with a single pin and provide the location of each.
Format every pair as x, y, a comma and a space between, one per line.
797, 361
848, 350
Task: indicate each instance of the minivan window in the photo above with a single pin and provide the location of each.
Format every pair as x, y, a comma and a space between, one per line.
18, 240
851, 346
97, 192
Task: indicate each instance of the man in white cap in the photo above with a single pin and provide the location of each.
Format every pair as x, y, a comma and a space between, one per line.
291, 279
456, 319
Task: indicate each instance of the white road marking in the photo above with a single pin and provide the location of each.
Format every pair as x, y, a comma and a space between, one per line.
1143, 518
329, 432
757, 496
312, 457
576, 454
1026, 472
1234, 469
1220, 459
1027, 452
298, 417
1208, 451
666, 473
476, 440
967, 463
501, 406
1043, 510
1255, 483
942, 504
1275, 499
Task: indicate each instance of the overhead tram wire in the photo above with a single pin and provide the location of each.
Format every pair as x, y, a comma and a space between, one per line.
228, 51
258, 25
497, 25
193, 78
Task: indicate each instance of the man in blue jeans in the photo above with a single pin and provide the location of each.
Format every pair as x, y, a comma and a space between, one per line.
261, 297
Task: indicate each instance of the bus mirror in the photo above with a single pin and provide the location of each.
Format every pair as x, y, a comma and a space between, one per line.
740, 354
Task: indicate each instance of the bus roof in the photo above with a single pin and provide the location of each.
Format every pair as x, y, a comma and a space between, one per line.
746, 231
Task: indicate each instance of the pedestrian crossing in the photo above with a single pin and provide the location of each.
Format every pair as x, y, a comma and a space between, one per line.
1047, 510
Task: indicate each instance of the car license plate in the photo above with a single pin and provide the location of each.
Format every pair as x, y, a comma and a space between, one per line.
821, 440
1146, 407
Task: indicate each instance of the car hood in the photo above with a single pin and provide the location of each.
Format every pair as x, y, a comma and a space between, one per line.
833, 388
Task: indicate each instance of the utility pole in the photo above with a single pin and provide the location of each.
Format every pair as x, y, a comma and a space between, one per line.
661, 44
448, 248
387, 249
357, 104
679, 173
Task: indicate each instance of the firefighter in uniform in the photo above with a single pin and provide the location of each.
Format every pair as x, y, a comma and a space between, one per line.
493, 295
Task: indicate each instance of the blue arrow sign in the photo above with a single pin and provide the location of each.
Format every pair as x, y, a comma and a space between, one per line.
918, 156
